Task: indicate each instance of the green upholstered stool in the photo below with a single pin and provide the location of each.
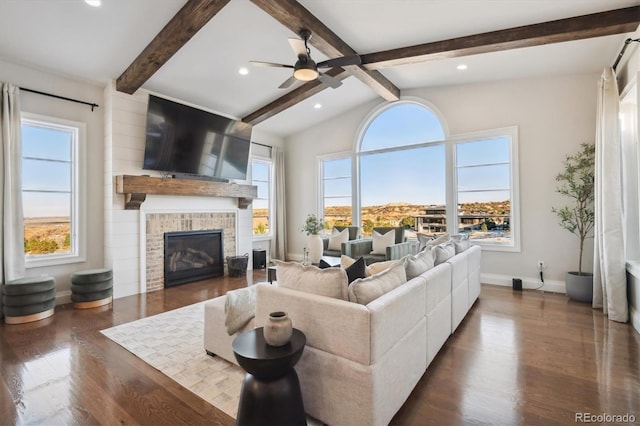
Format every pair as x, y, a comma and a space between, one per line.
28, 299
91, 288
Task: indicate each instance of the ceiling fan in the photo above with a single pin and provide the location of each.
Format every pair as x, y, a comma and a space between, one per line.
305, 69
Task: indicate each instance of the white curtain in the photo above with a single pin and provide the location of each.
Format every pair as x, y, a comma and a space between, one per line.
278, 249
11, 233
609, 272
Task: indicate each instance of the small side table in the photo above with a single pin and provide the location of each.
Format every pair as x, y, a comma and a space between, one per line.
271, 391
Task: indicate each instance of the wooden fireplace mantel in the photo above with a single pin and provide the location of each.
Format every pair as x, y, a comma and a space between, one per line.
136, 188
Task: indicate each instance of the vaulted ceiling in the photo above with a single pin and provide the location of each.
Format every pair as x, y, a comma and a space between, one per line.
192, 50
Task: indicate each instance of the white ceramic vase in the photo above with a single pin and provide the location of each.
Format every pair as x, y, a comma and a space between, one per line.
278, 330
315, 248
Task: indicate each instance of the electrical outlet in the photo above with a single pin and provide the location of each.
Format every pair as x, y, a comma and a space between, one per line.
541, 265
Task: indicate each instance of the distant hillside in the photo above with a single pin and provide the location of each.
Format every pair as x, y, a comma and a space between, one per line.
394, 213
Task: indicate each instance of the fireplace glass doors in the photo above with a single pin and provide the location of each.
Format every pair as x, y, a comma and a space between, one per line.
192, 256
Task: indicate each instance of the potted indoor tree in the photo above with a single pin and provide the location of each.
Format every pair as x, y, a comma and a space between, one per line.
312, 227
577, 183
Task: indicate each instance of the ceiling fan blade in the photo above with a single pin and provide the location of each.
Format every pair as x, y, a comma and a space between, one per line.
287, 83
329, 81
298, 46
269, 64
340, 62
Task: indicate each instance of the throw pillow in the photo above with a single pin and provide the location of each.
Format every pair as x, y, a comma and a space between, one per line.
381, 242
443, 252
357, 269
365, 290
330, 282
461, 242
419, 263
378, 267
423, 240
346, 261
337, 238
374, 268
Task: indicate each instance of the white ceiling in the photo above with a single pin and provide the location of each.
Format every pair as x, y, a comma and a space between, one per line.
97, 44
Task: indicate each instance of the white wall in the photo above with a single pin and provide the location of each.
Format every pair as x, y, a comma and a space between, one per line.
124, 152
38, 104
554, 116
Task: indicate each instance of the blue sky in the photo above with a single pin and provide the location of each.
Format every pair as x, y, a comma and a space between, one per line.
47, 144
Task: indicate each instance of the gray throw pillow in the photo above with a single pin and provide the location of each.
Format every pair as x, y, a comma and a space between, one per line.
419, 263
443, 252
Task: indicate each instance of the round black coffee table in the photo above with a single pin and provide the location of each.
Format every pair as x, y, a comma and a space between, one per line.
271, 391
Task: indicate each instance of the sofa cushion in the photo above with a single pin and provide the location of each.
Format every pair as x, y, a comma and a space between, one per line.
419, 263
443, 252
337, 238
382, 241
365, 290
330, 282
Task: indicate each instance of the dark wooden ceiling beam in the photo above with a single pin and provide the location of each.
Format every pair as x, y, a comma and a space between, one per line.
293, 97
185, 24
294, 16
562, 30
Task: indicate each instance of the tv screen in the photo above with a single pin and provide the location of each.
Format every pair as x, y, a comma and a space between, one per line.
185, 140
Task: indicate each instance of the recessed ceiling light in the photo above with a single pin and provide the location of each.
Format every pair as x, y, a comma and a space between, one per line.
94, 3
317, 106
462, 67
243, 70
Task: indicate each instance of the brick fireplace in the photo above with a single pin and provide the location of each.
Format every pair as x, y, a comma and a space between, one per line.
157, 224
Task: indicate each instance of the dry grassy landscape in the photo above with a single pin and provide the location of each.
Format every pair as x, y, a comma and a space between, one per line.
44, 235
391, 214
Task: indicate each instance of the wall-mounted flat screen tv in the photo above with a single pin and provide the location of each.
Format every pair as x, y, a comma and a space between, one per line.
187, 141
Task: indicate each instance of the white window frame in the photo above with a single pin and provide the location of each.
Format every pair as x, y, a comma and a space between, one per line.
355, 218
452, 192
78, 191
451, 175
269, 162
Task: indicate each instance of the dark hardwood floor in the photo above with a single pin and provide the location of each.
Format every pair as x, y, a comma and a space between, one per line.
525, 358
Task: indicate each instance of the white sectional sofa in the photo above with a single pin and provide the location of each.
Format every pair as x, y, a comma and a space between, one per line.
362, 361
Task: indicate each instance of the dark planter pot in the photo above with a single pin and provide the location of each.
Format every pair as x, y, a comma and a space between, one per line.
579, 286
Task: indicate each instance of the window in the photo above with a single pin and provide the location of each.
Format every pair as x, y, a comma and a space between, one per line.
50, 169
410, 173
336, 192
261, 177
484, 193
402, 170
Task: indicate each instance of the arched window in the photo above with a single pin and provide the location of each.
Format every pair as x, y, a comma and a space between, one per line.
406, 170
400, 125
402, 168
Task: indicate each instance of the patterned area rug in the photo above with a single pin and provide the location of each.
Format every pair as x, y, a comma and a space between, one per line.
172, 342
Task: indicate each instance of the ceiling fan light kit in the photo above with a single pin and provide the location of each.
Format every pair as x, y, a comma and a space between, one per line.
305, 68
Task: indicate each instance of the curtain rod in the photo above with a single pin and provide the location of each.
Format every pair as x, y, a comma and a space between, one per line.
60, 97
627, 42
261, 144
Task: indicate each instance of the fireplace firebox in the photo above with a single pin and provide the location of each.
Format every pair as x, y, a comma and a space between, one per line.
192, 255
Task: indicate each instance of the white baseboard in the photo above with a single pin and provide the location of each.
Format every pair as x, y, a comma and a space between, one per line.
634, 318
528, 283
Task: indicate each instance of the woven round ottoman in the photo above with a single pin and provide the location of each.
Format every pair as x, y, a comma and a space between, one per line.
28, 299
91, 288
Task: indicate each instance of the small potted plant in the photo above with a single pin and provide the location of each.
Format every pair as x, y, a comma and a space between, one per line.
577, 183
312, 227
